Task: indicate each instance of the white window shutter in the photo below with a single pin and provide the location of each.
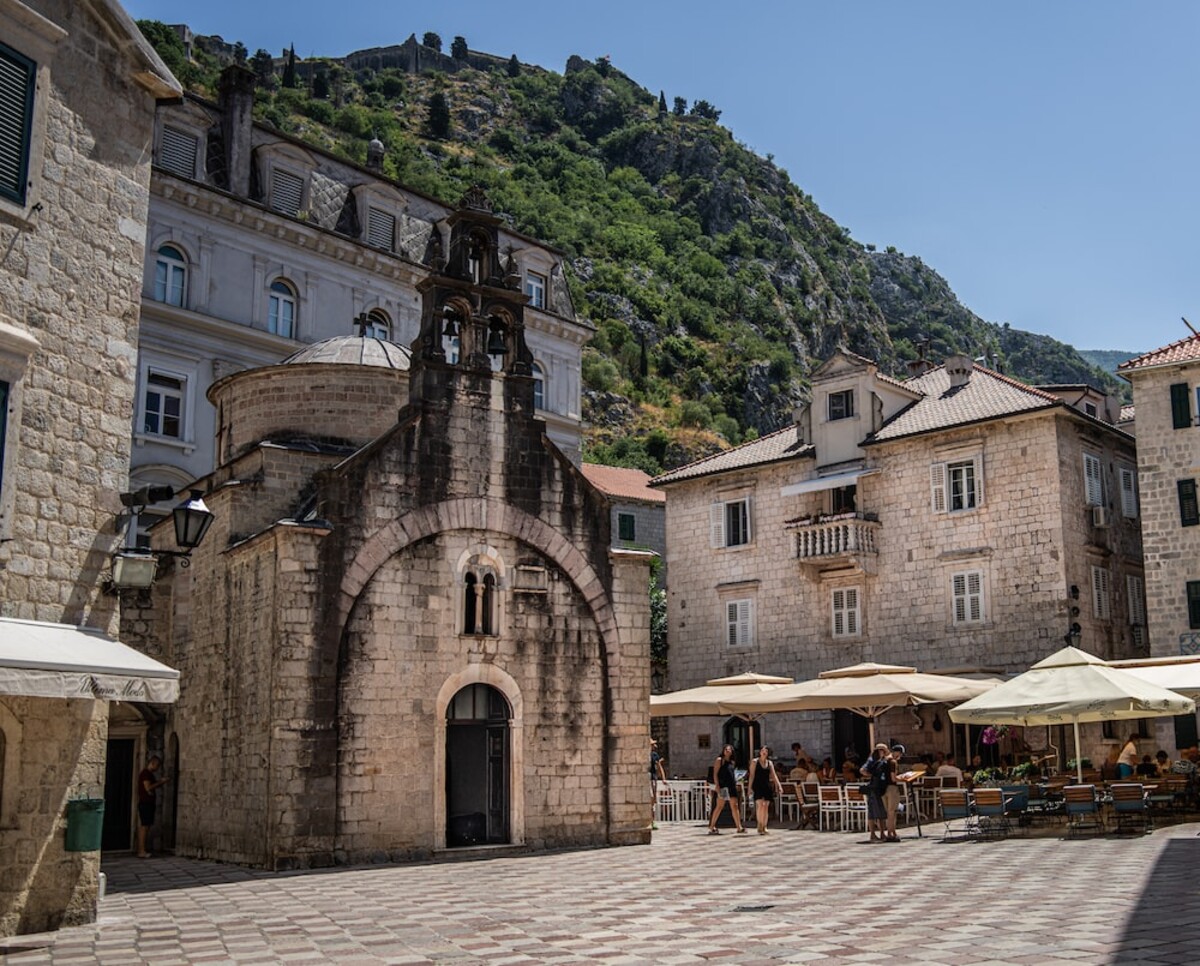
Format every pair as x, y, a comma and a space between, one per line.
749, 519
979, 480
1137, 600
177, 151
1093, 480
716, 524
852, 612
1129, 505
731, 623
975, 596
937, 487
1100, 596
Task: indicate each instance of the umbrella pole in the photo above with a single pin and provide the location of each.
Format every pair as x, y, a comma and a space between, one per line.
1078, 754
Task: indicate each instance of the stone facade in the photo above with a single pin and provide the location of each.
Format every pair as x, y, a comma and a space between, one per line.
1028, 540
69, 293
360, 586
237, 208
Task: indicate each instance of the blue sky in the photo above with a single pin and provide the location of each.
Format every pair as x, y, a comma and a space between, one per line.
1041, 156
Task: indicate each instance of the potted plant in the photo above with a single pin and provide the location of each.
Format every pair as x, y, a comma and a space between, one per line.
988, 776
1026, 772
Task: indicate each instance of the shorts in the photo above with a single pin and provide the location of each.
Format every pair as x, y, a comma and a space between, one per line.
146, 813
724, 794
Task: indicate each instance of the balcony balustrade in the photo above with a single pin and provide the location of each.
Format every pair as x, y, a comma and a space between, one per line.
826, 539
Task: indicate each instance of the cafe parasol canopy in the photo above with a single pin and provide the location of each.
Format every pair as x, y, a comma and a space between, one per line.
711, 698
1178, 673
1071, 686
866, 689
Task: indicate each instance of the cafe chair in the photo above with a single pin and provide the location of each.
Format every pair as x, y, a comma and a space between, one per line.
788, 804
956, 807
990, 812
855, 815
832, 809
1083, 811
1130, 807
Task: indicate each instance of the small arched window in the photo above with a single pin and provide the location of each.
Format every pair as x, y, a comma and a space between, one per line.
170, 275
281, 309
480, 602
488, 610
539, 386
470, 604
378, 326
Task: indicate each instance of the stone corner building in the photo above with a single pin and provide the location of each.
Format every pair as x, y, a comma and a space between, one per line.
411, 633
78, 87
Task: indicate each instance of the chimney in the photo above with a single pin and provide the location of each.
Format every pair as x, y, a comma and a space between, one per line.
959, 368
235, 97
375, 151
917, 367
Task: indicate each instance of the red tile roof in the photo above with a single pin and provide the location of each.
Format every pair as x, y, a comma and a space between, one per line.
1185, 350
779, 445
622, 483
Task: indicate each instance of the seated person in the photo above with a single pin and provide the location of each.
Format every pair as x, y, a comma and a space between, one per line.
1185, 765
1162, 763
1147, 768
949, 770
827, 774
799, 771
850, 770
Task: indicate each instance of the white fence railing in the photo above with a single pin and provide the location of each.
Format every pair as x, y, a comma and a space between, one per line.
681, 801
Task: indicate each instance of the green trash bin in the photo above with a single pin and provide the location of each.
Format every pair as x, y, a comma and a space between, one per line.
85, 824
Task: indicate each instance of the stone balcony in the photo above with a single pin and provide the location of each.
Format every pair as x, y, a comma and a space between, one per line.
837, 541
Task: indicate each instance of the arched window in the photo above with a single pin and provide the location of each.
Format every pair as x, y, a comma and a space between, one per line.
480, 601
170, 275
539, 386
281, 309
469, 604
488, 610
378, 326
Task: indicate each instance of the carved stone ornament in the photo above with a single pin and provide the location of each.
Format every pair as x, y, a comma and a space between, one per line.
475, 199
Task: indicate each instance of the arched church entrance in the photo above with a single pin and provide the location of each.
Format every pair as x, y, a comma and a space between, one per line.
478, 764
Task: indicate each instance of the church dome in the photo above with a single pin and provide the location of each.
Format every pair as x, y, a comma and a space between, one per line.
352, 350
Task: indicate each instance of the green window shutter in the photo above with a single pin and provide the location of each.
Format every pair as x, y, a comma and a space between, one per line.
1189, 510
17, 74
1193, 599
1181, 405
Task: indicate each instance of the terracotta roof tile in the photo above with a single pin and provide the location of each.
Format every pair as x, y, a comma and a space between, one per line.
780, 445
622, 483
988, 395
1185, 350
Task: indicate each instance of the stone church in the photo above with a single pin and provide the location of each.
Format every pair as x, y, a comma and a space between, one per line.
408, 629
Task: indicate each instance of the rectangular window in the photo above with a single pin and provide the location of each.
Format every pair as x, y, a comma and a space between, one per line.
625, 526
739, 623
1089, 409
1129, 500
1189, 511
381, 229
966, 590
846, 617
729, 523
843, 499
957, 486
1136, 592
841, 404
1093, 479
177, 152
535, 288
1181, 405
1101, 599
17, 83
287, 192
1193, 604
163, 410
169, 277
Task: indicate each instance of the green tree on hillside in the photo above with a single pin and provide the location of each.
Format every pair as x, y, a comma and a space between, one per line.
263, 65
438, 123
702, 108
320, 84
458, 48
662, 103
514, 66
680, 108
239, 53
432, 41
289, 69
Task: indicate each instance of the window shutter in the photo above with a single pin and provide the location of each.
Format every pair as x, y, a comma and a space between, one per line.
1129, 504
979, 480
975, 596
1137, 600
1189, 511
749, 519
716, 525
852, 612
381, 229
1193, 603
959, 593
839, 609
731, 624
177, 153
287, 192
1093, 480
1100, 597
937, 487
745, 621
16, 118
1181, 405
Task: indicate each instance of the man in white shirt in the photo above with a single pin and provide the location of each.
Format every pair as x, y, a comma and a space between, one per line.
949, 770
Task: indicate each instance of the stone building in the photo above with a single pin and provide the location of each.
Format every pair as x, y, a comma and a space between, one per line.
76, 122
639, 516
958, 519
259, 243
408, 629
1166, 394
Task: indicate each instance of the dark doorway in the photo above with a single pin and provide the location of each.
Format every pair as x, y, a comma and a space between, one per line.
851, 737
742, 735
117, 835
477, 767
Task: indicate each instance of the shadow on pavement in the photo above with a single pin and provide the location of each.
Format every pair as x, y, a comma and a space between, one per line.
1168, 910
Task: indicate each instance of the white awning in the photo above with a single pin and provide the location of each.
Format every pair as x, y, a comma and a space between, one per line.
44, 660
829, 482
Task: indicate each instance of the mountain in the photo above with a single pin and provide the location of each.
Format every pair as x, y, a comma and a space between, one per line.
715, 283
1108, 359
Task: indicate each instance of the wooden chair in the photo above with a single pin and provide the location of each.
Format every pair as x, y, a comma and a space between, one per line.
831, 808
990, 812
956, 807
810, 805
1130, 806
1083, 811
855, 816
788, 802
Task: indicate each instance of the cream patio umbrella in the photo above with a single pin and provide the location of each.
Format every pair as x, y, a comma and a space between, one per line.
711, 697
866, 689
1071, 686
1178, 673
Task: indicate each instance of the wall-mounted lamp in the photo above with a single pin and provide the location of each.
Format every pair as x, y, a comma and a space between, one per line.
134, 569
1072, 637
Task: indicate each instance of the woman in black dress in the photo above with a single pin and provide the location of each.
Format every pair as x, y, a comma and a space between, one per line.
764, 783
724, 777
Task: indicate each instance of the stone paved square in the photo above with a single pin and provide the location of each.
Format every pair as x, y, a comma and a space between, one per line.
790, 897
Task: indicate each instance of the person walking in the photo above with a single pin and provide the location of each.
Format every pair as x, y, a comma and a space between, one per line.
876, 812
657, 774
884, 780
724, 776
764, 783
146, 787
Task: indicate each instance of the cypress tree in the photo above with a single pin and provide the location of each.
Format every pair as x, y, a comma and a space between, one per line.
514, 66
662, 102
438, 124
289, 69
